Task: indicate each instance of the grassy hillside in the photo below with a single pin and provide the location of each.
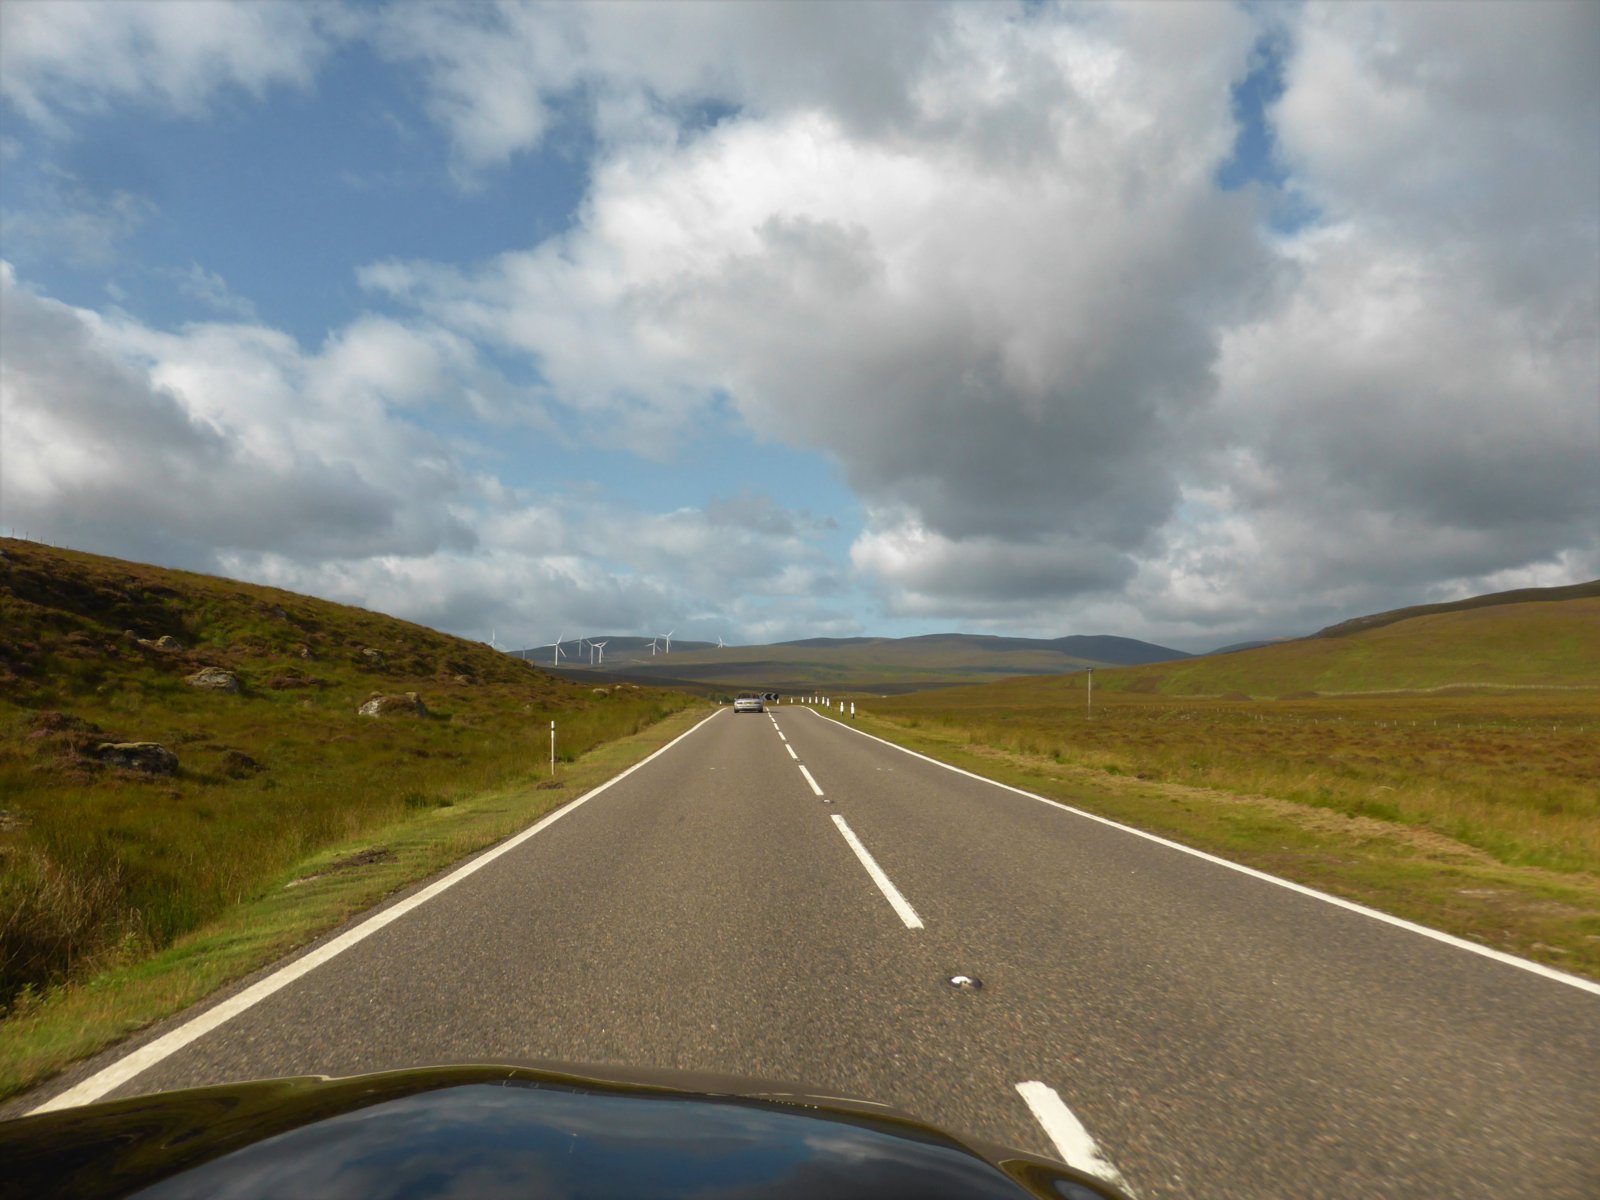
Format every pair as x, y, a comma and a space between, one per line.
1532, 643
100, 859
1576, 591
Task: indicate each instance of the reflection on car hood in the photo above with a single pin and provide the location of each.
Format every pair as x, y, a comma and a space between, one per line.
492, 1131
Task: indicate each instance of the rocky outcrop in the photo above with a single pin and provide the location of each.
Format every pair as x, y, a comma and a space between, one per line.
150, 757
373, 656
214, 679
396, 704
165, 642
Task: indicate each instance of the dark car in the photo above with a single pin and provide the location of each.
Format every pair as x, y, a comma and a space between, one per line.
503, 1131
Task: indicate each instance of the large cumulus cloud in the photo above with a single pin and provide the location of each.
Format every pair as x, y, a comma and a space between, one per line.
996, 302
1063, 369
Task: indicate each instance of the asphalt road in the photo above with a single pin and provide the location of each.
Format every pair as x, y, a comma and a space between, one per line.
1214, 1034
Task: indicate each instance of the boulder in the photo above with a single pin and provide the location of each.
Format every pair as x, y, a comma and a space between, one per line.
402, 703
373, 656
214, 679
167, 642
150, 757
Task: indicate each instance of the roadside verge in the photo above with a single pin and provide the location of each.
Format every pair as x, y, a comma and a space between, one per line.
1546, 917
319, 894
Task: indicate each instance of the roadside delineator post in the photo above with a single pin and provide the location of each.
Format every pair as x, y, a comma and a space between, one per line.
552, 749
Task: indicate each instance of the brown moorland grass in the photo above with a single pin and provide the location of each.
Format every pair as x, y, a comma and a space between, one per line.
100, 863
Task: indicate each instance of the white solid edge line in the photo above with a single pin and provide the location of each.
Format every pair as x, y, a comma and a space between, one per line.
1449, 939
792, 754
1072, 1140
147, 1056
807, 774
890, 892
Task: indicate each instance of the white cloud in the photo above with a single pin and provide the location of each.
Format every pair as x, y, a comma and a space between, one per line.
1058, 365
995, 301
59, 57
81, 225
227, 447
211, 290
218, 437
1418, 414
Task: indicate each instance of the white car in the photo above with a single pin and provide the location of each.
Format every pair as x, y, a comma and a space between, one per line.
748, 702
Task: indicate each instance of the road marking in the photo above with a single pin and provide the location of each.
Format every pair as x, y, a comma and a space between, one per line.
1511, 960
807, 774
1072, 1140
147, 1056
780, 735
890, 892
792, 754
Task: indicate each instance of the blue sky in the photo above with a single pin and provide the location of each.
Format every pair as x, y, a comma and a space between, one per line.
1188, 323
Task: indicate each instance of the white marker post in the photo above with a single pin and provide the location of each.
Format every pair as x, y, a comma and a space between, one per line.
852, 710
552, 749
1090, 672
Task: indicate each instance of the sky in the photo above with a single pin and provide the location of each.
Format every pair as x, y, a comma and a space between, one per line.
1188, 322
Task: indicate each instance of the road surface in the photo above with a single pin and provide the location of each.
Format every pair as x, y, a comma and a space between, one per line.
781, 896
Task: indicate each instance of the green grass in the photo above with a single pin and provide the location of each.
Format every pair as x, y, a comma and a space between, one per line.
100, 864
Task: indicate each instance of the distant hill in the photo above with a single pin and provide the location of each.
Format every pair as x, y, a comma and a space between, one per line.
1544, 637
868, 663
827, 641
1119, 650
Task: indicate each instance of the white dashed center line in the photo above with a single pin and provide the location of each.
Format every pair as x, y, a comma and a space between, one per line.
890, 892
807, 774
1072, 1140
792, 754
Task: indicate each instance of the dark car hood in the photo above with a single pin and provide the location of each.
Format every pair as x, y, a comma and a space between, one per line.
528, 1132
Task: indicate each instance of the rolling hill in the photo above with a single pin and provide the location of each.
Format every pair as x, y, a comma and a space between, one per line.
1531, 638
877, 664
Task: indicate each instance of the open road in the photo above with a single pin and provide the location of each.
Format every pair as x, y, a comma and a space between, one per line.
783, 897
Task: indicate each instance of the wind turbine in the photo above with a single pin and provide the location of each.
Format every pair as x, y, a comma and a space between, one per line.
556, 646
493, 645
720, 646
600, 646
654, 646
668, 638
